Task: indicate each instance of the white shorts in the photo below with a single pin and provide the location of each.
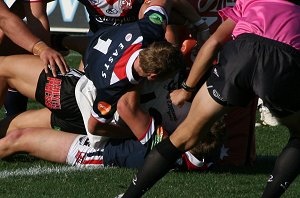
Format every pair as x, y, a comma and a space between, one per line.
82, 155
85, 93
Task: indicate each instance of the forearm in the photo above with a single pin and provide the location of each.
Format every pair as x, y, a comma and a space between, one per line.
208, 52
202, 62
184, 8
37, 19
13, 27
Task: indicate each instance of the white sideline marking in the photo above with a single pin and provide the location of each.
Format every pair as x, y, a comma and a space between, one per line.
38, 170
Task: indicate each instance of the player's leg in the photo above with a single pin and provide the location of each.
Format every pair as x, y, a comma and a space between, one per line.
287, 166
14, 103
47, 144
30, 118
21, 73
204, 111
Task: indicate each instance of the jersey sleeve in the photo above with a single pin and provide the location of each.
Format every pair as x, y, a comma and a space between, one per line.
104, 106
153, 24
233, 13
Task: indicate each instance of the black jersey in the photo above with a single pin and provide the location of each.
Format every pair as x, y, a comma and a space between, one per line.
110, 56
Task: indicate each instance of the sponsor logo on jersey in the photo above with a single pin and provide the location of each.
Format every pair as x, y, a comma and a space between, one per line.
156, 18
104, 107
112, 11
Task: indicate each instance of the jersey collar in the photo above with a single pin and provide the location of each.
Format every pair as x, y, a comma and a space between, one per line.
129, 67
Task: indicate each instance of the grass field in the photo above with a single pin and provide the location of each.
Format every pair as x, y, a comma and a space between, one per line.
25, 176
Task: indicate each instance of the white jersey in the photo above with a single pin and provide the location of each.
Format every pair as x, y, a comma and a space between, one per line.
158, 93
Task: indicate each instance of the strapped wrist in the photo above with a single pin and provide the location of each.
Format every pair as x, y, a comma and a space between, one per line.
187, 88
199, 22
38, 47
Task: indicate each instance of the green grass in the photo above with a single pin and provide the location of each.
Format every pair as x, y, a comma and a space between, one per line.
231, 182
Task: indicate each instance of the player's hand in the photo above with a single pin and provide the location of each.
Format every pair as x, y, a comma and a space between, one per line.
179, 97
53, 59
50, 58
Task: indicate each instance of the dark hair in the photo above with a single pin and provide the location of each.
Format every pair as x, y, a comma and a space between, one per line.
210, 144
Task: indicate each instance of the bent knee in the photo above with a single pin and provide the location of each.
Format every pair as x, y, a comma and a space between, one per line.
9, 144
14, 136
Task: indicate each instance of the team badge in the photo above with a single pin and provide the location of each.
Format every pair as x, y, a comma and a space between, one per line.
104, 107
156, 18
128, 37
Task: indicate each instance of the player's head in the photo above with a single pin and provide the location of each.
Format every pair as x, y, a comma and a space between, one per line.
209, 146
161, 59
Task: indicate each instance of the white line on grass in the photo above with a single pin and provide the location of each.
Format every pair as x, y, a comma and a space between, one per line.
38, 170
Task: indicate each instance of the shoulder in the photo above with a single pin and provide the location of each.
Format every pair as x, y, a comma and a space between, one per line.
156, 14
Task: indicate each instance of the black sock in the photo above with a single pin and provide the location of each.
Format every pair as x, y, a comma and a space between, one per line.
286, 169
157, 164
15, 103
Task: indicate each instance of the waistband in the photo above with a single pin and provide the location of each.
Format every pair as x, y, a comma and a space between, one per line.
261, 39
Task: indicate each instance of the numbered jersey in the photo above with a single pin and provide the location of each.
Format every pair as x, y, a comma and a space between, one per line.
110, 57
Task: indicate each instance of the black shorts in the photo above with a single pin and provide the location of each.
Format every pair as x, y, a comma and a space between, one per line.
58, 95
251, 66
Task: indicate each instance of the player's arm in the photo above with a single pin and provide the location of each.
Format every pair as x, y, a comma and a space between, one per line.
203, 62
184, 9
99, 122
14, 28
166, 4
37, 19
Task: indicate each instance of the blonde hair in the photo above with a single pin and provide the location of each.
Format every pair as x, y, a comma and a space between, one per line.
161, 58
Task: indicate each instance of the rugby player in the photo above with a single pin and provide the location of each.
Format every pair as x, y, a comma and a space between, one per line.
15, 29
103, 14
37, 20
262, 60
117, 60
75, 150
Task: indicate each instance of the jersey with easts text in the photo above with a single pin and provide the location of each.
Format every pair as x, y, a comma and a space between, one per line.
110, 56
103, 13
